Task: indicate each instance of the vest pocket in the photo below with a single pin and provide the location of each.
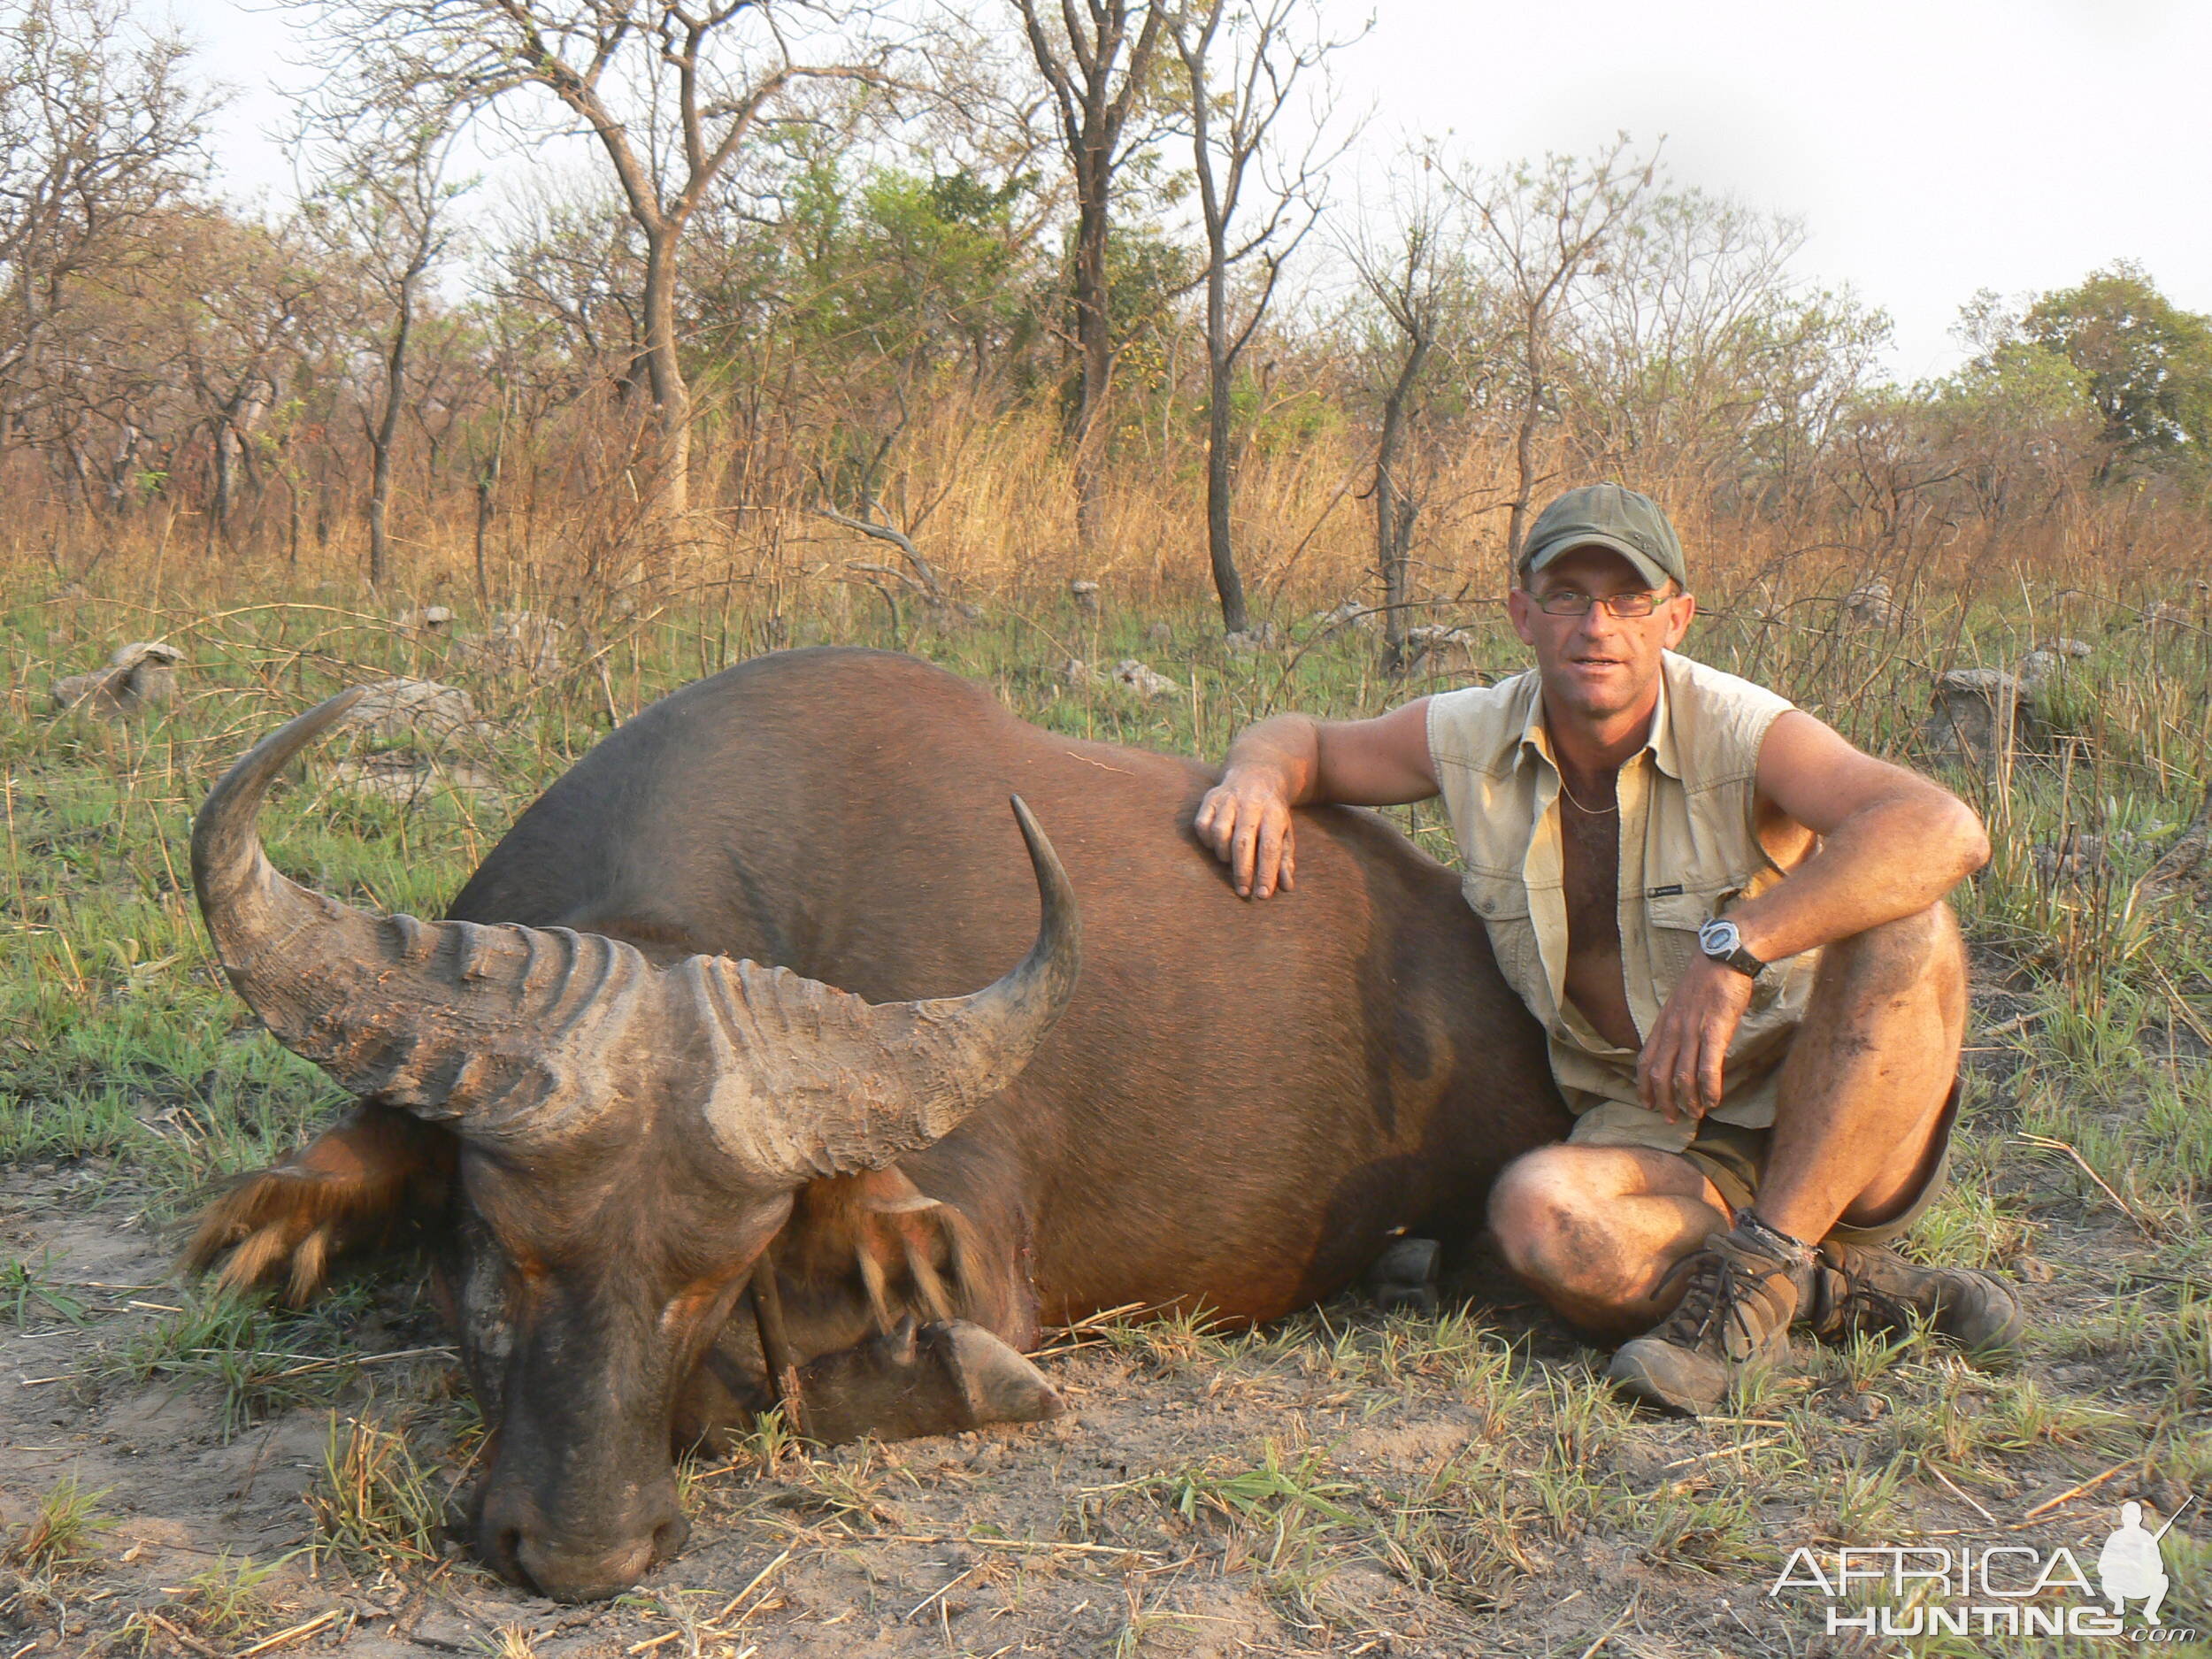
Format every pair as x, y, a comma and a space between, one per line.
1503, 903
1675, 919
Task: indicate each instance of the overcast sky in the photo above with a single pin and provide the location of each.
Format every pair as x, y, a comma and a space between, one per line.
1931, 147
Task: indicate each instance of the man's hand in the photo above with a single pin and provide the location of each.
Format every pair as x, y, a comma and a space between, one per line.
1292, 760
1246, 819
1679, 1071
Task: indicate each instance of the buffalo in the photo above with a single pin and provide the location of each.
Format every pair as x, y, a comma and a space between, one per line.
693, 1098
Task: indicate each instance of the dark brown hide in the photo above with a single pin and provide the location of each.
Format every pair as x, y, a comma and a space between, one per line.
1243, 1103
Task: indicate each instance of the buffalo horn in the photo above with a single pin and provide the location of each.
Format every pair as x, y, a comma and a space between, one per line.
509, 1031
810, 1080
499, 1025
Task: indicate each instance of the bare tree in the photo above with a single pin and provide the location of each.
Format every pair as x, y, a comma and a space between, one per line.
1416, 283
384, 194
1542, 229
99, 129
1242, 61
669, 91
1097, 56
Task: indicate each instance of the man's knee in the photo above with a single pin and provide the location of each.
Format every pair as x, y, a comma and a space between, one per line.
1545, 1214
1910, 954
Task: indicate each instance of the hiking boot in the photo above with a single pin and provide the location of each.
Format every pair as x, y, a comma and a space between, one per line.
1745, 1287
1864, 1288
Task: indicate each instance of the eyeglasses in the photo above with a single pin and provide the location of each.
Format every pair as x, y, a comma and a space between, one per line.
1566, 602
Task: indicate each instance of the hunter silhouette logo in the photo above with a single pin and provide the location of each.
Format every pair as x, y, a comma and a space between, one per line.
2130, 1567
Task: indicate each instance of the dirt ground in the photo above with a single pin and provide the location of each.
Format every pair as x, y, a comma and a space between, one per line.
1348, 1483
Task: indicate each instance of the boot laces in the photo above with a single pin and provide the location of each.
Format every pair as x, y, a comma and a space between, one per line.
1727, 1281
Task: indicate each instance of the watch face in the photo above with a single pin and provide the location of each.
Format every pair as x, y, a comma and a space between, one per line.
1718, 938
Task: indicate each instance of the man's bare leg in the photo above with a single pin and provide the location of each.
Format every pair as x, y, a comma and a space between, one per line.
1599, 1232
1867, 1076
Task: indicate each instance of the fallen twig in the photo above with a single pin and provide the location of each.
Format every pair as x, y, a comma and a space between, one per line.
1015, 1543
907, 1616
269, 1643
730, 1606
2046, 1143
1606, 1634
1961, 1496
2090, 1485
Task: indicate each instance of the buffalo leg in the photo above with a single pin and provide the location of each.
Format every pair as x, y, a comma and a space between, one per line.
1403, 1277
352, 1188
907, 1256
897, 1314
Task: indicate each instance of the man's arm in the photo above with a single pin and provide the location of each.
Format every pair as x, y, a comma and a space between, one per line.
1294, 760
1893, 843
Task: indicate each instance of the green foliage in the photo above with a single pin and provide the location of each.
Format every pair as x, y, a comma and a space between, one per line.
263, 1359
375, 1503
2145, 364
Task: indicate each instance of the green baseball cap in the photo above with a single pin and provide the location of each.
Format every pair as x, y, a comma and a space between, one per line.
1605, 515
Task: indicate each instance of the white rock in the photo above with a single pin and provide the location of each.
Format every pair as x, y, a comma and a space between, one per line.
1974, 707
140, 675
1871, 605
1351, 613
434, 620
517, 642
403, 710
1261, 636
1132, 675
407, 779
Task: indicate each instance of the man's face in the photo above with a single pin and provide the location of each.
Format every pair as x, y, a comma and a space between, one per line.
1597, 665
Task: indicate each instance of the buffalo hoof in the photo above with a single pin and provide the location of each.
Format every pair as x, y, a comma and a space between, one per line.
936, 1379
1403, 1277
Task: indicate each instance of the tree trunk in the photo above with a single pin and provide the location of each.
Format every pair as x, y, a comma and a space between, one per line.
483, 536
1219, 374
218, 492
1094, 349
1394, 507
1525, 449
664, 376
386, 431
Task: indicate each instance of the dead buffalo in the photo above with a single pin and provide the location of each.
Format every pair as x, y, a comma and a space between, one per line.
603, 1109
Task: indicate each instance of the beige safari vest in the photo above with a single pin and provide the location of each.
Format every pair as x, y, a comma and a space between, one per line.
1688, 848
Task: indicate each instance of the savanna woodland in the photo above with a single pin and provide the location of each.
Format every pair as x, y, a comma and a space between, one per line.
605, 343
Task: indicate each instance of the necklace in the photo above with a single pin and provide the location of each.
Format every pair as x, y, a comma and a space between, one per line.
1587, 812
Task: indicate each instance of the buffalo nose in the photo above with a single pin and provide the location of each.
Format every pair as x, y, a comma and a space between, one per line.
568, 1575
576, 1569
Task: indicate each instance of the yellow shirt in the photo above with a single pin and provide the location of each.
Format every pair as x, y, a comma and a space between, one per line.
1689, 846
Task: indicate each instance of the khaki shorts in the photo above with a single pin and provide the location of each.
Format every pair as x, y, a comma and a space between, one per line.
1733, 1159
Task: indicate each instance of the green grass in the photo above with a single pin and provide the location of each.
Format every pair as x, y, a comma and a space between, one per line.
61, 1534
256, 1358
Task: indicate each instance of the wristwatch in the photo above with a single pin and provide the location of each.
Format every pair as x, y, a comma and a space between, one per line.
1722, 941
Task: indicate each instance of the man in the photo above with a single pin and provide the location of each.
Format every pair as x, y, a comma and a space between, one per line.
1731, 924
